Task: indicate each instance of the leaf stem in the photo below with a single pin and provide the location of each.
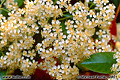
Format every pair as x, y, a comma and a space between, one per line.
48, 19
64, 11
3, 54
2, 3
5, 10
91, 5
49, 47
55, 2
65, 18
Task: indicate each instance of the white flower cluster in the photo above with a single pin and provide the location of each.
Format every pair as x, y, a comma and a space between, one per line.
72, 46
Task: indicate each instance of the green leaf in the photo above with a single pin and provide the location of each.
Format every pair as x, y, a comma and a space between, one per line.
54, 2
63, 28
91, 5
1, 53
81, 68
2, 74
68, 15
60, 59
99, 62
116, 2
20, 2
4, 11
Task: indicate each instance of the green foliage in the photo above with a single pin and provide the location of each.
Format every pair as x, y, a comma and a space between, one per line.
91, 5
4, 11
54, 1
2, 73
20, 2
99, 62
1, 53
66, 17
116, 2
63, 28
